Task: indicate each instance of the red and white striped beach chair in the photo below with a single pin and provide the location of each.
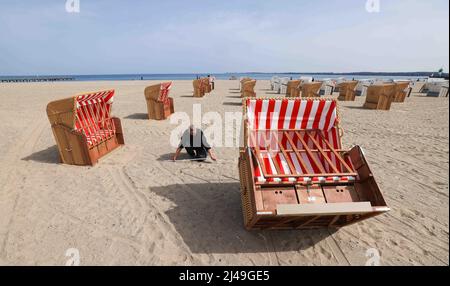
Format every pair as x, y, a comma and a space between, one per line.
83, 127
159, 105
294, 171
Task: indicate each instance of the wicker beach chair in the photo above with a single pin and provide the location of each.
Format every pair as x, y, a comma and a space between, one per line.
328, 87
291, 85
283, 85
402, 91
207, 84
294, 173
307, 90
275, 83
362, 86
437, 88
248, 89
243, 81
296, 90
311, 89
159, 104
83, 127
444, 91
199, 88
347, 91
380, 96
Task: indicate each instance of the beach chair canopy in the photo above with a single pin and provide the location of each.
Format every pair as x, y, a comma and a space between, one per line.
159, 92
295, 141
87, 113
165, 89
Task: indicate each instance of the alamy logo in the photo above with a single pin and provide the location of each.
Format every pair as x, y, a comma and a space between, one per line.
73, 6
373, 6
74, 257
374, 257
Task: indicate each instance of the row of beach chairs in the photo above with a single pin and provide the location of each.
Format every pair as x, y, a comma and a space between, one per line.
202, 86
379, 95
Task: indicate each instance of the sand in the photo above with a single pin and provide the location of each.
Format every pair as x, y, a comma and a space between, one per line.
138, 208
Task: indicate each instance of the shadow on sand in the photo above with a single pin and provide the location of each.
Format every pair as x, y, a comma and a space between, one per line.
232, 103
355, 107
138, 116
209, 219
47, 156
183, 157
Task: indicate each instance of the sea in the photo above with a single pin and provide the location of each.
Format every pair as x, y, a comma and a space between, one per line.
220, 76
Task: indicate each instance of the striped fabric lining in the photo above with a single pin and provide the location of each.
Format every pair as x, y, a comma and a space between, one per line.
270, 155
164, 94
93, 116
265, 117
294, 114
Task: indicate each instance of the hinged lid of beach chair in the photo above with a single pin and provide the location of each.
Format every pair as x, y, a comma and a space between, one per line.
159, 92
85, 112
296, 140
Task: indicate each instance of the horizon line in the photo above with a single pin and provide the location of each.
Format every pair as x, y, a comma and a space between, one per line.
424, 73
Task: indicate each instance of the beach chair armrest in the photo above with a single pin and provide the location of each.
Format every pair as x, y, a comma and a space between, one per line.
119, 130
68, 129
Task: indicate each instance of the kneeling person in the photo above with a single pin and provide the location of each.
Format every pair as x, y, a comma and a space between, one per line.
194, 141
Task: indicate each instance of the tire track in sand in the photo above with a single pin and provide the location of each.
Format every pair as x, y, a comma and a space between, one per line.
150, 209
11, 176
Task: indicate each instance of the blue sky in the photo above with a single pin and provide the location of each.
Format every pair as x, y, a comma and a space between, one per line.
190, 36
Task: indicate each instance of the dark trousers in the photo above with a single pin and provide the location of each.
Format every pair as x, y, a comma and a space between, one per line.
197, 152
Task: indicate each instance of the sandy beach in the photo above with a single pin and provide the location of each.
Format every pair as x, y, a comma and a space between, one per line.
136, 207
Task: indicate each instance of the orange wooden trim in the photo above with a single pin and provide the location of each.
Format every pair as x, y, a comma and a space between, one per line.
277, 166
324, 155
300, 159
258, 156
310, 153
286, 155
335, 152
